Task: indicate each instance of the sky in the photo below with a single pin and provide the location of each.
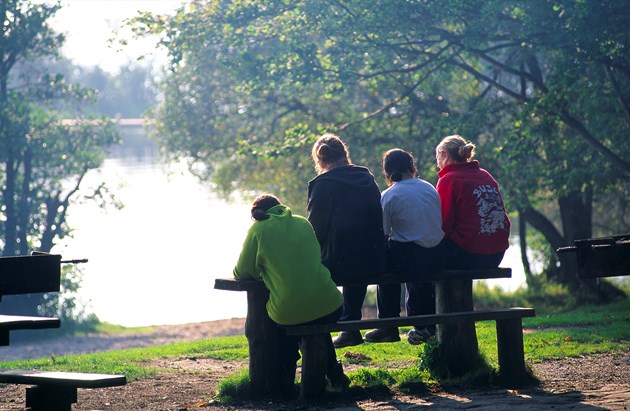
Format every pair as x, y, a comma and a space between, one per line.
88, 24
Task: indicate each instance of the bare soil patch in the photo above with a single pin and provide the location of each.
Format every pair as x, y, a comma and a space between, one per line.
596, 382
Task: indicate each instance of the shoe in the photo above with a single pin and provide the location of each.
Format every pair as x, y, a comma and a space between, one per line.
338, 380
416, 336
379, 335
347, 339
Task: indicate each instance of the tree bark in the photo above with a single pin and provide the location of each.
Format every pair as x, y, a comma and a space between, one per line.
576, 215
522, 237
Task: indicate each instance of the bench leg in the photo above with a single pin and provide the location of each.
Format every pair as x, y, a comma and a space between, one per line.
510, 349
458, 342
314, 363
262, 337
4, 337
48, 398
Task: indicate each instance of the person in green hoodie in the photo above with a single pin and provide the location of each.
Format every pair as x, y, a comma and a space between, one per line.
281, 250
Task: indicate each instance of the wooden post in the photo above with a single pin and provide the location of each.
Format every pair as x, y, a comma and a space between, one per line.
262, 336
458, 342
314, 362
50, 397
510, 349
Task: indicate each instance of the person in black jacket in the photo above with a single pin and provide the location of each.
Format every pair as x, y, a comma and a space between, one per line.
344, 207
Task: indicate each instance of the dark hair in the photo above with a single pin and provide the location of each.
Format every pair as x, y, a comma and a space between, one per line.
329, 150
262, 204
397, 162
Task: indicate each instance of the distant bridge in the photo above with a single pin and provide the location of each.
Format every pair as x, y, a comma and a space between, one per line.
128, 122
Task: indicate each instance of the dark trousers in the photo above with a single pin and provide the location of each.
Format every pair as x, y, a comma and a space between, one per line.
412, 261
288, 348
456, 257
353, 297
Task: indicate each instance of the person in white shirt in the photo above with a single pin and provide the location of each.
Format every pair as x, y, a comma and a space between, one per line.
412, 221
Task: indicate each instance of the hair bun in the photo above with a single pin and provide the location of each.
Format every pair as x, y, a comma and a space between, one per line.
259, 214
466, 151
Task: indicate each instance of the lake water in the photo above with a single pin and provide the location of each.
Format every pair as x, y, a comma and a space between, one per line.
155, 261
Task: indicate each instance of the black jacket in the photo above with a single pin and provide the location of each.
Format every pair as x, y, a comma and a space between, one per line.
344, 207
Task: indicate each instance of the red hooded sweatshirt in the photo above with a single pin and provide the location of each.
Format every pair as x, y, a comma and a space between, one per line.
473, 214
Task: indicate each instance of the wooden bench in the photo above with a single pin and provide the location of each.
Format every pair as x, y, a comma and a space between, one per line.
509, 340
455, 318
52, 390
57, 391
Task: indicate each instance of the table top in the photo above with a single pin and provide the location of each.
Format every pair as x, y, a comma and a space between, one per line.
40, 273
232, 284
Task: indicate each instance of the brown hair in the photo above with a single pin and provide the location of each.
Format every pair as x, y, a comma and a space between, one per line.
329, 152
262, 204
396, 162
457, 149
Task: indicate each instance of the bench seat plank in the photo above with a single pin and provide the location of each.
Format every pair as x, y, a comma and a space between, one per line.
417, 320
58, 378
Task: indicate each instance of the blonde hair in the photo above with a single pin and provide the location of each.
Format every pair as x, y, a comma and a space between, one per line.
329, 152
457, 149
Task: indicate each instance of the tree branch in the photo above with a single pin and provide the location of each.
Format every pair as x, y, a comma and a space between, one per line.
578, 127
544, 226
613, 80
488, 80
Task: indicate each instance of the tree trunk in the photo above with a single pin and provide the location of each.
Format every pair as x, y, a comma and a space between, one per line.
576, 215
8, 195
522, 237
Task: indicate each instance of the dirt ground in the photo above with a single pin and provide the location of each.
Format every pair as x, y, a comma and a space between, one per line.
596, 382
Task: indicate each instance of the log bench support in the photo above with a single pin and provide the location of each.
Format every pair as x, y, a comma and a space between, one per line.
314, 361
457, 341
509, 341
262, 338
510, 349
57, 391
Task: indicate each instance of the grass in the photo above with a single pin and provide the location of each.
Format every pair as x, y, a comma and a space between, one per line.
135, 362
587, 330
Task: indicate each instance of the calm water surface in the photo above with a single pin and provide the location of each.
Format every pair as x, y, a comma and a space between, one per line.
155, 261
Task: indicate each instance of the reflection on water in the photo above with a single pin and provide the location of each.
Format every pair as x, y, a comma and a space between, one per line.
155, 261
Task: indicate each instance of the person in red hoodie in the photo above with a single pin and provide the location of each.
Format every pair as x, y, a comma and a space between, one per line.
475, 224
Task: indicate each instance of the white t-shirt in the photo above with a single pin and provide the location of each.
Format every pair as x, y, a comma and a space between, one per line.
411, 212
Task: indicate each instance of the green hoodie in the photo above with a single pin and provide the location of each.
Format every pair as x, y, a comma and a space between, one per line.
284, 252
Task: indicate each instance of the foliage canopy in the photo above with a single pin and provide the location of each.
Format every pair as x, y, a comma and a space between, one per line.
542, 87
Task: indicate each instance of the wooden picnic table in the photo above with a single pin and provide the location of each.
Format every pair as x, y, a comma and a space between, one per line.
48, 390
602, 256
39, 273
457, 339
